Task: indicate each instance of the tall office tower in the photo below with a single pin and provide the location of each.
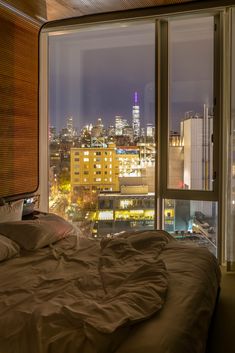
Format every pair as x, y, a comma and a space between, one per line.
150, 130
136, 117
128, 131
111, 131
69, 126
197, 133
98, 128
120, 123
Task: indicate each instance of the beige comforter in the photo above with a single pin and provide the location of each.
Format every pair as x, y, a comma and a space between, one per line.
182, 324
80, 296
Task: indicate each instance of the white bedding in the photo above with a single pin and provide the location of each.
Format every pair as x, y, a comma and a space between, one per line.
79, 297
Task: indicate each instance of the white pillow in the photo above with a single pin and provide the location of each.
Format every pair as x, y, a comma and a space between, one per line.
37, 233
12, 211
8, 248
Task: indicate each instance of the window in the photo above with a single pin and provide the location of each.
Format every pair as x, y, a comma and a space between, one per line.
190, 142
97, 179
191, 100
121, 133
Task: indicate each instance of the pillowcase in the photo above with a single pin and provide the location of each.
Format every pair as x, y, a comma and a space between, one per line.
8, 248
11, 211
35, 234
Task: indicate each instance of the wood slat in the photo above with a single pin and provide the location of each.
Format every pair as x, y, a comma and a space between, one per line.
18, 105
59, 9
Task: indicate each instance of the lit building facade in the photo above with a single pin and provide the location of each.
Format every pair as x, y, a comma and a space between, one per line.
94, 169
129, 161
124, 211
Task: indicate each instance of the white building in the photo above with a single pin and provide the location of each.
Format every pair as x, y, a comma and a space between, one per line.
196, 132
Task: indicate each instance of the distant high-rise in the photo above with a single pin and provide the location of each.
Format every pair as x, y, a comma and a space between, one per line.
150, 130
98, 129
120, 123
136, 117
69, 126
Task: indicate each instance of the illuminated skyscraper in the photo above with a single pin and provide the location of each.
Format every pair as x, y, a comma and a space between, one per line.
120, 123
69, 126
136, 117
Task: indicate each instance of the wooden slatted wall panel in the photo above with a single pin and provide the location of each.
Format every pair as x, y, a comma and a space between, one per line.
18, 105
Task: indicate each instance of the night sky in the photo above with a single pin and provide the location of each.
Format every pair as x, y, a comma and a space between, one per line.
94, 73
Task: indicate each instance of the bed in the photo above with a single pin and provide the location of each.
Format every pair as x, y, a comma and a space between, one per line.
134, 292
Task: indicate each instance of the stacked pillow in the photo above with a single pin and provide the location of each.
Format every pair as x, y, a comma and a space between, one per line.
37, 233
30, 234
8, 248
9, 212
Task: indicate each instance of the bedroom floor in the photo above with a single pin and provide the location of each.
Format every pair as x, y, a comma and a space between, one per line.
222, 339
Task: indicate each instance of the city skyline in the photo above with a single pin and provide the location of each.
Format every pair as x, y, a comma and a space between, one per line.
94, 73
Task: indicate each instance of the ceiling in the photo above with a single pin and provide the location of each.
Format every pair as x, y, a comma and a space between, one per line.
48, 10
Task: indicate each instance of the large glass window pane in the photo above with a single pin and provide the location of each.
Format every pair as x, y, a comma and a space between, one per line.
190, 134
102, 126
230, 239
192, 221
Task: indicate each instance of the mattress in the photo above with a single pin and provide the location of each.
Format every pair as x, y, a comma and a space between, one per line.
138, 292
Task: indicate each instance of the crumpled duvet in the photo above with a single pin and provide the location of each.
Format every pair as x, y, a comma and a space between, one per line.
81, 295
